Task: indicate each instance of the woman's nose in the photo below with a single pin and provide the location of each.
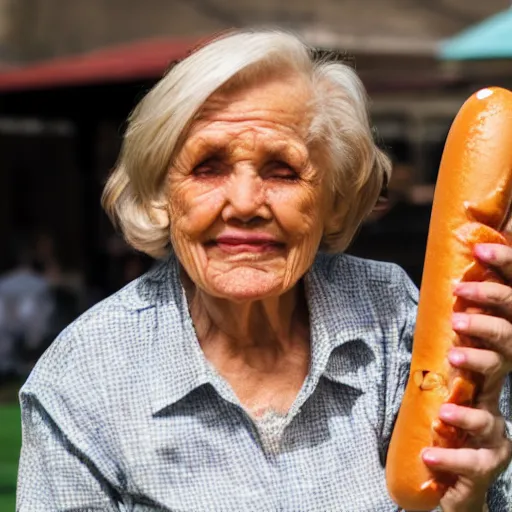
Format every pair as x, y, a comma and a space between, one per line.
245, 197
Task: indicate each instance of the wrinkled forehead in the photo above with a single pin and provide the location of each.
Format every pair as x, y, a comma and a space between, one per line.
280, 101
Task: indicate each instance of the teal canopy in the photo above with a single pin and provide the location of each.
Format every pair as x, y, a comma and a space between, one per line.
490, 39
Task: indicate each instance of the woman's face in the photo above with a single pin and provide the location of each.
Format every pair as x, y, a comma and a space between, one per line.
247, 199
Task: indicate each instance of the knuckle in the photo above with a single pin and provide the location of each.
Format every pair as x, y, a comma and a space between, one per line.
498, 330
507, 297
496, 293
493, 293
489, 461
496, 365
485, 428
482, 468
500, 294
492, 425
504, 455
491, 363
499, 361
498, 430
499, 456
507, 451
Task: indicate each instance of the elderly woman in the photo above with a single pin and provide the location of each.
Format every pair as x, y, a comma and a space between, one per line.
257, 367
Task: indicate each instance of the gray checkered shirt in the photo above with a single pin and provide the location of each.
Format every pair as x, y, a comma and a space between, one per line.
124, 413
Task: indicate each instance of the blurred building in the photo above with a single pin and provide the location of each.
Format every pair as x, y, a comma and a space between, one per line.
62, 113
41, 29
394, 43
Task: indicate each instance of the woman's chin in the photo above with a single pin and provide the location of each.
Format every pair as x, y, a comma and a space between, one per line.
245, 284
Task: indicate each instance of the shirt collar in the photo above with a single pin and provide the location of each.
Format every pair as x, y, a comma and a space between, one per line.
340, 334
177, 363
342, 320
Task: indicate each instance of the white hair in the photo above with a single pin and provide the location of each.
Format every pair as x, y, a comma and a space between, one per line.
134, 196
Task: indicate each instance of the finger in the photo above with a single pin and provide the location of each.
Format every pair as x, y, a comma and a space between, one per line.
494, 295
475, 464
495, 332
489, 363
483, 427
498, 256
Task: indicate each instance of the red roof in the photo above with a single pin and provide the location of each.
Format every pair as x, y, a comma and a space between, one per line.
135, 61
140, 60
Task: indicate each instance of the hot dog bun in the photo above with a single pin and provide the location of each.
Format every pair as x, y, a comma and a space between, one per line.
471, 205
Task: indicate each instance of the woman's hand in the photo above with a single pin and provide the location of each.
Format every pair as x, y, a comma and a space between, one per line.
487, 454
489, 451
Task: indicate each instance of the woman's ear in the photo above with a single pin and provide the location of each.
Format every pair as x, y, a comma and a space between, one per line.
159, 214
334, 216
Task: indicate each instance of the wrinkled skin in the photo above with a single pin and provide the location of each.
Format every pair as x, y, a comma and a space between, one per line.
246, 168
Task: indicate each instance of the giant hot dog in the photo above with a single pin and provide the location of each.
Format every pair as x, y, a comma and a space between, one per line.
471, 205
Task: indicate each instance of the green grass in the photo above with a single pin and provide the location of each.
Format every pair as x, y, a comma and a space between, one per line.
10, 443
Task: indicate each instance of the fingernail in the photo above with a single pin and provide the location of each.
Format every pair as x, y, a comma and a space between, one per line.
465, 290
460, 321
456, 357
447, 411
428, 456
485, 253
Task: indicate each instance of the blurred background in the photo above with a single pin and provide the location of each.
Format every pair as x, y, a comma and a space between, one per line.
72, 70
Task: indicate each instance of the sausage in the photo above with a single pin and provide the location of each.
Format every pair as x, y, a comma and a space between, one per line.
471, 205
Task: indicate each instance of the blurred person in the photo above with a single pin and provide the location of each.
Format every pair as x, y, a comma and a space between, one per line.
45, 252
257, 367
50, 258
26, 305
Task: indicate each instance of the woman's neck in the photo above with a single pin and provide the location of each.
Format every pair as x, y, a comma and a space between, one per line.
266, 327
261, 348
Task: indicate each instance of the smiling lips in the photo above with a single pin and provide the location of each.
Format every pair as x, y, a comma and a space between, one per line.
249, 242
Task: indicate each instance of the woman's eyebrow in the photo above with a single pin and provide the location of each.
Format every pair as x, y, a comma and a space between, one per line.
201, 148
298, 157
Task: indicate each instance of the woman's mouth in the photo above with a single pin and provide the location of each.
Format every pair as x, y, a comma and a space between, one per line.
254, 243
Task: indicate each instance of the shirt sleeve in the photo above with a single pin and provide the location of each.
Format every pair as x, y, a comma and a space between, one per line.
55, 472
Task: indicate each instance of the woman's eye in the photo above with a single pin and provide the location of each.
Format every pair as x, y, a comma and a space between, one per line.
281, 170
207, 168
